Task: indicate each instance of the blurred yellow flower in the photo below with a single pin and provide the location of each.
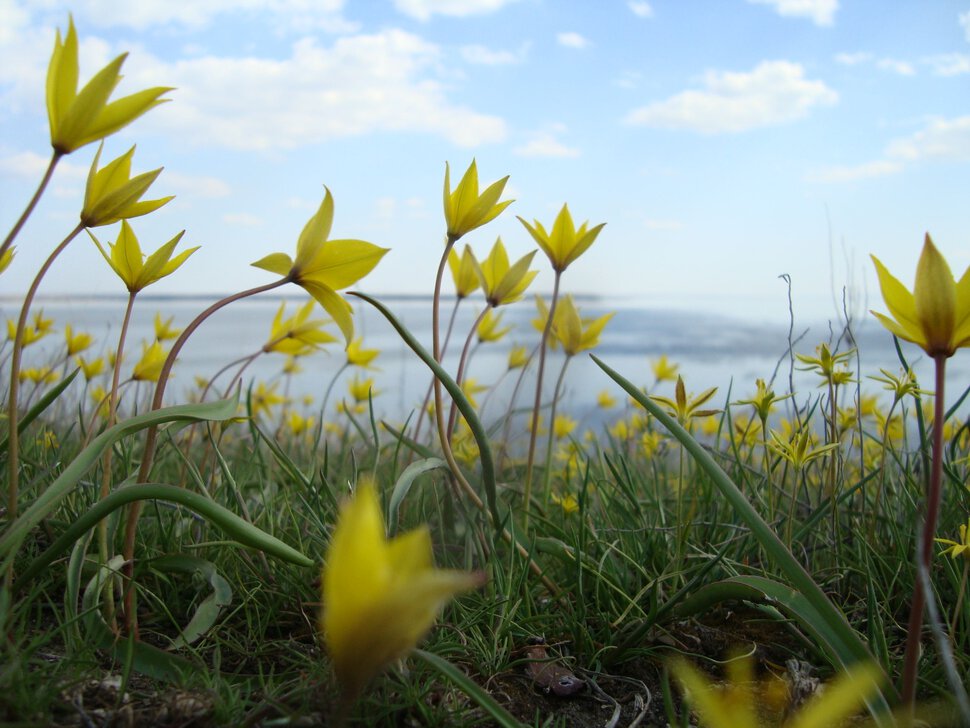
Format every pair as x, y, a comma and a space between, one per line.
78, 118
298, 334
137, 272
664, 370
465, 209
264, 398
299, 424
379, 597
322, 267
502, 283
798, 449
76, 343
563, 426
471, 387
958, 548
605, 400
763, 400
112, 194
357, 356
518, 357
568, 503
489, 328
574, 333
686, 408
7, 257
362, 389
463, 271
164, 329
564, 242
936, 314
39, 375
90, 368
149, 367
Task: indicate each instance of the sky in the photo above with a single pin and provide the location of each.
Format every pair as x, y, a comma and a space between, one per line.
724, 142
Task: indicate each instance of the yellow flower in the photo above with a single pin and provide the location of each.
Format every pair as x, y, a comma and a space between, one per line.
379, 597
936, 315
463, 272
651, 442
664, 370
164, 329
362, 389
7, 257
39, 375
518, 357
502, 283
149, 368
77, 118
605, 400
99, 395
112, 194
137, 272
360, 357
826, 364
798, 450
32, 334
90, 369
576, 334
292, 364
76, 343
563, 426
489, 327
323, 267
568, 503
741, 701
298, 423
564, 242
958, 548
465, 209
264, 398
763, 400
471, 387
686, 408
298, 334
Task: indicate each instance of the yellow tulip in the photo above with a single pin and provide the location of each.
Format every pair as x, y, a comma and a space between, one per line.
357, 356
490, 327
463, 271
297, 334
362, 389
564, 242
322, 267
137, 272
379, 597
6, 258
501, 282
664, 370
76, 343
112, 194
574, 333
164, 329
936, 315
685, 408
79, 118
91, 368
518, 357
149, 367
465, 209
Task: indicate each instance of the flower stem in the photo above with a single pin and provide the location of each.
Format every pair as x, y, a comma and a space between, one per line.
151, 437
13, 440
933, 498
527, 495
460, 375
11, 236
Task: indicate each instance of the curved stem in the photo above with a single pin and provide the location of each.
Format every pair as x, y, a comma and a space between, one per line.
8, 241
13, 440
151, 437
933, 498
527, 496
436, 353
444, 347
556, 393
462, 363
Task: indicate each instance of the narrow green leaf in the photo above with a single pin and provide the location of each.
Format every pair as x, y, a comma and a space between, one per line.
211, 607
43, 403
403, 485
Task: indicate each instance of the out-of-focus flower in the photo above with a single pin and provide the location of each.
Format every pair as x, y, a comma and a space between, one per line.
490, 327
39, 375
574, 333
298, 334
7, 257
90, 367
568, 503
563, 426
164, 329
664, 370
686, 408
605, 400
362, 389
149, 367
379, 597
463, 271
264, 398
76, 343
357, 356
518, 357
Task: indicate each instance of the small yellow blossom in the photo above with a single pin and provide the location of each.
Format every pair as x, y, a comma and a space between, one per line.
264, 398
6, 258
501, 282
574, 333
298, 334
39, 375
136, 271
76, 343
490, 327
463, 271
357, 356
299, 424
90, 368
362, 389
563, 426
471, 387
379, 597
605, 400
164, 329
465, 209
956, 549
518, 357
686, 408
149, 368
664, 370
112, 194
568, 503
564, 242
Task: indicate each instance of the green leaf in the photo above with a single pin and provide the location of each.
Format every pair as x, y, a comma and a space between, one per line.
43, 403
211, 607
832, 620
68, 479
485, 701
239, 529
403, 485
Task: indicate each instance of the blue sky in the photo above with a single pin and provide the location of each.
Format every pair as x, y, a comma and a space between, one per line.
724, 142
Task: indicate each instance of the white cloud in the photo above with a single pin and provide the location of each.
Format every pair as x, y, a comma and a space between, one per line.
546, 143
424, 9
853, 59
878, 168
948, 64
193, 185
820, 12
940, 139
360, 84
571, 40
901, 67
30, 166
946, 139
640, 9
775, 92
965, 22
242, 219
483, 56
299, 15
